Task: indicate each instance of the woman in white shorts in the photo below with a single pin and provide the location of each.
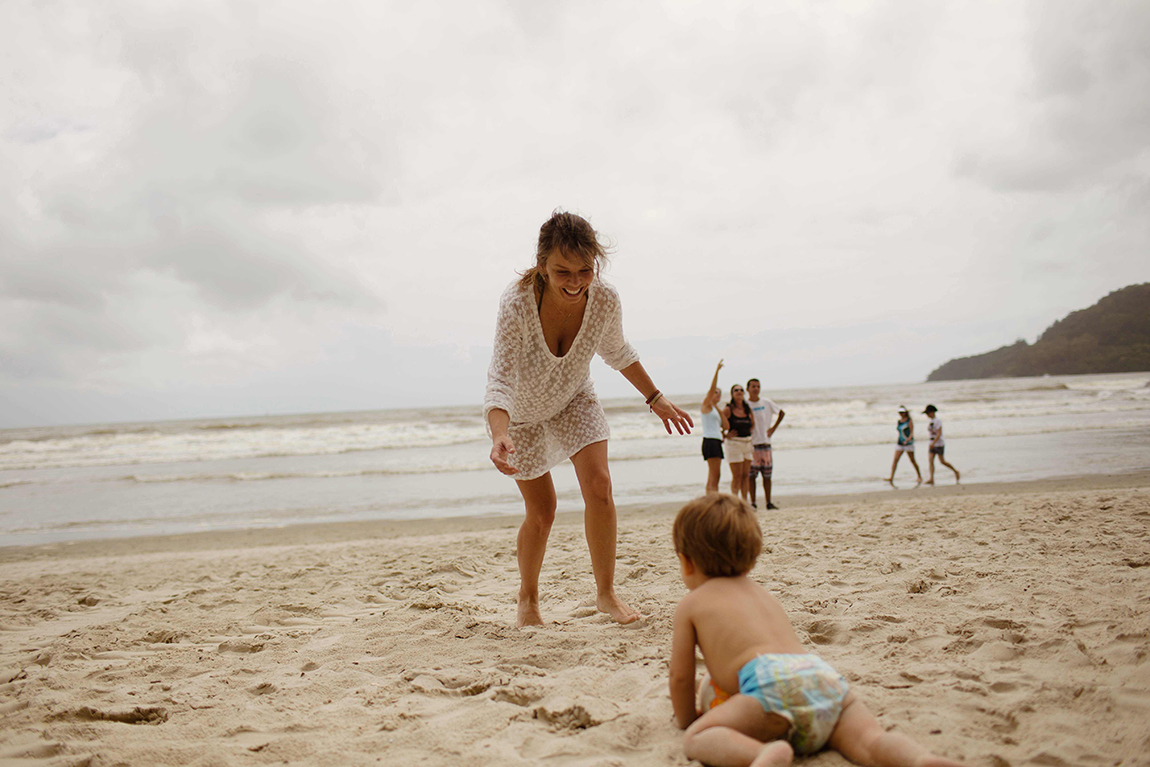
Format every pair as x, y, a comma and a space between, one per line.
738, 444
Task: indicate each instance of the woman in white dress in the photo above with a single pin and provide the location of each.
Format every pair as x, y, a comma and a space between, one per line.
541, 407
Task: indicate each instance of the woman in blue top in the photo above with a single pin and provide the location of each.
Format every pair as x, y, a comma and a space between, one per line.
714, 426
905, 444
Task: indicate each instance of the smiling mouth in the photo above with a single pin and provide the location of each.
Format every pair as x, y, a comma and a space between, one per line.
571, 293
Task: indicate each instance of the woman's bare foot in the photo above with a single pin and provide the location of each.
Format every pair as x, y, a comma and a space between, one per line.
610, 604
929, 482
528, 613
774, 754
890, 481
957, 477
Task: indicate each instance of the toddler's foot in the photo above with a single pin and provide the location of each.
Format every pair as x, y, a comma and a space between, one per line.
776, 754
528, 613
610, 604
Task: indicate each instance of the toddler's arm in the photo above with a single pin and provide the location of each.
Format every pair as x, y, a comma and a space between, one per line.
683, 668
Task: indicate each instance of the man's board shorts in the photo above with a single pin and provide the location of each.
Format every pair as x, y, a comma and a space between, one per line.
762, 462
939, 450
712, 448
803, 689
739, 449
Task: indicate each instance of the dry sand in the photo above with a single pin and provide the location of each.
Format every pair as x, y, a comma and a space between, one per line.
1001, 625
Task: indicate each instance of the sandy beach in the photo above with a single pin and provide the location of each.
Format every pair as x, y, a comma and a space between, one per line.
999, 624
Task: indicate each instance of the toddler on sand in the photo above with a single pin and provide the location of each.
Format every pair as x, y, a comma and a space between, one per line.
788, 699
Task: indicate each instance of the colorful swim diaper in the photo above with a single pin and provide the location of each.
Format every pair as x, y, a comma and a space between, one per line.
803, 689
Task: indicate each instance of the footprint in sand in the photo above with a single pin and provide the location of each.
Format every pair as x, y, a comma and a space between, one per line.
137, 715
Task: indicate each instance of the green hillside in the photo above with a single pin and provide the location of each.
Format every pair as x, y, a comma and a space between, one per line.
1113, 336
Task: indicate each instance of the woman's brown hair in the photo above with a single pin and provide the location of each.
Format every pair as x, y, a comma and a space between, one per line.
569, 234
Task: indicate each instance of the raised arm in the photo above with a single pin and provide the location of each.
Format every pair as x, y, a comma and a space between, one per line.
714, 382
668, 412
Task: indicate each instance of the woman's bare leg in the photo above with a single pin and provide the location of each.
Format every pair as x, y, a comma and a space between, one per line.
736, 480
746, 491
531, 545
946, 463
914, 463
714, 468
600, 525
893, 466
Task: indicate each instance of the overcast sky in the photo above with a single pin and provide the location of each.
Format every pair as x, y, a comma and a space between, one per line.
223, 208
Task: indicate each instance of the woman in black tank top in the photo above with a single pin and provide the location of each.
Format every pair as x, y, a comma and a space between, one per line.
739, 449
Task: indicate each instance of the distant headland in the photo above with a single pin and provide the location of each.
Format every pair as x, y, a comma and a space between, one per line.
1113, 336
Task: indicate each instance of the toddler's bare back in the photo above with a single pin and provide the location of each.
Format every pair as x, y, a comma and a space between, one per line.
736, 620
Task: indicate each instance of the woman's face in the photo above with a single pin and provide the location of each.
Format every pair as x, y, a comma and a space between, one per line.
737, 394
904, 416
567, 279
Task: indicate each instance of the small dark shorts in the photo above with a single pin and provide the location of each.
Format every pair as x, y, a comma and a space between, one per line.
939, 451
712, 448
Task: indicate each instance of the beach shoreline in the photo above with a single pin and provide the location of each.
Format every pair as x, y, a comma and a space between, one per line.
362, 530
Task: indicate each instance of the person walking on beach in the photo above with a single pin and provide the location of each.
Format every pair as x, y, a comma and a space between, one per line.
739, 451
905, 444
937, 444
540, 404
714, 426
762, 462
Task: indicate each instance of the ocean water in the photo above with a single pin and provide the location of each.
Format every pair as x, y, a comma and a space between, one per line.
116, 480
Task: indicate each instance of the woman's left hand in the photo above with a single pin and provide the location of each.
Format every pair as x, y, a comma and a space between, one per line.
669, 413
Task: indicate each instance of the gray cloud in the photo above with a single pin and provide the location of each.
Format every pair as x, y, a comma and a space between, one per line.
1086, 113
184, 194
214, 208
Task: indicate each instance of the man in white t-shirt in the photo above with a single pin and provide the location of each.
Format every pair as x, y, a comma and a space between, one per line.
761, 432
937, 443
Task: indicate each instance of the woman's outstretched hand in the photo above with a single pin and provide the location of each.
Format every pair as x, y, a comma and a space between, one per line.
669, 413
502, 448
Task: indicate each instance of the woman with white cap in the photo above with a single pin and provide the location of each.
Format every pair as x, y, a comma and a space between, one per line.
905, 444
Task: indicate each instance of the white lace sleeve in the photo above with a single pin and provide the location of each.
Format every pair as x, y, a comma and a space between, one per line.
613, 347
503, 372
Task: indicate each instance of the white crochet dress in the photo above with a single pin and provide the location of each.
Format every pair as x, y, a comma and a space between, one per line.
551, 400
